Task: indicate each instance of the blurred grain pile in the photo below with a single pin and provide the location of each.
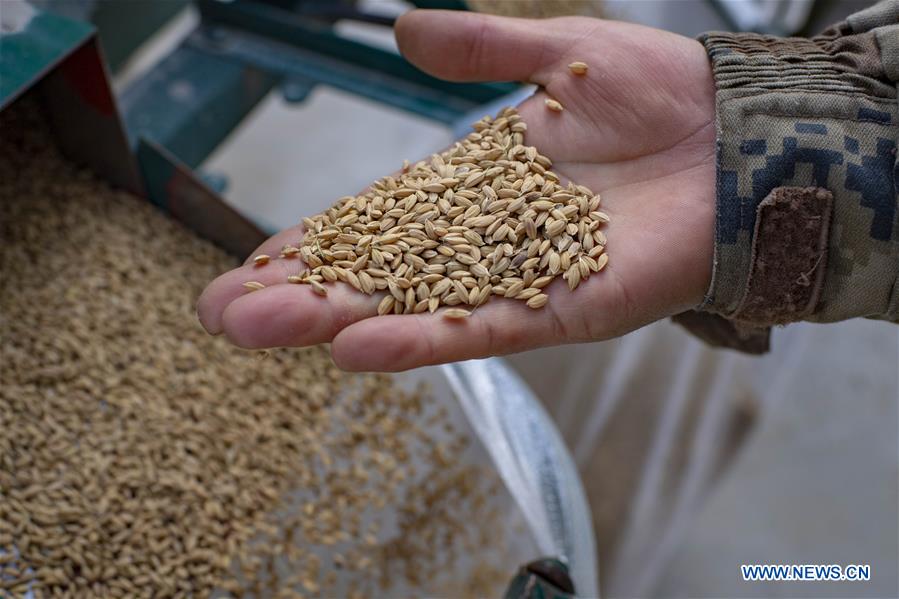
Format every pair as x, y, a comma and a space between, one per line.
141, 457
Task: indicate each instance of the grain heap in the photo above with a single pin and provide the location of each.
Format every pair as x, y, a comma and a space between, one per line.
141, 457
486, 217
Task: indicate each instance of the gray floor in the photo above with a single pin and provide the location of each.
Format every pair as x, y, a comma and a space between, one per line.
817, 482
288, 161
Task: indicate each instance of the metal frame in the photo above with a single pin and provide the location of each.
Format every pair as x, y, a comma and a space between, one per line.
58, 62
177, 113
242, 49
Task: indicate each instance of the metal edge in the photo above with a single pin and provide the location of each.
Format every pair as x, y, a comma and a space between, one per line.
7, 37
177, 190
80, 104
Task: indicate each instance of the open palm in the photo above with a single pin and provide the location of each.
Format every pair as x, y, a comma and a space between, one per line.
639, 129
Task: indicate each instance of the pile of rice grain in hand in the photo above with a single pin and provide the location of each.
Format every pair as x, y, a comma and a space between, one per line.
485, 218
141, 457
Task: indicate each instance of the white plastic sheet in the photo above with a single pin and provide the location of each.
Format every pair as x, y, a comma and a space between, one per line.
533, 461
652, 418
660, 424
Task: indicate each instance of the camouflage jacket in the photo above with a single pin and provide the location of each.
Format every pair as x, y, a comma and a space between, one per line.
807, 179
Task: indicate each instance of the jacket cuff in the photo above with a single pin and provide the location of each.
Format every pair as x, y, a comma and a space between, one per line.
807, 129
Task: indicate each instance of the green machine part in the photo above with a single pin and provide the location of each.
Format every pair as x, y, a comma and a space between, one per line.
242, 49
58, 59
546, 578
187, 104
122, 26
57, 62
31, 44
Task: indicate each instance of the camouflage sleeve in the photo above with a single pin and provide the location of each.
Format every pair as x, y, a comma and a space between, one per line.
807, 179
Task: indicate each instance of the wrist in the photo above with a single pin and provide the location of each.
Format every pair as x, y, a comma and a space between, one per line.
803, 140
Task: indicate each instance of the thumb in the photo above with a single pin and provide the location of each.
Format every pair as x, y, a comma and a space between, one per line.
466, 46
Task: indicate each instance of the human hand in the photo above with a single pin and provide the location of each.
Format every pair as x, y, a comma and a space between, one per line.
639, 129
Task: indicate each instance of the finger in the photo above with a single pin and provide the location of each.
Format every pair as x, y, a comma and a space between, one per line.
274, 244
293, 315
230, 286
411, 340
466, 46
